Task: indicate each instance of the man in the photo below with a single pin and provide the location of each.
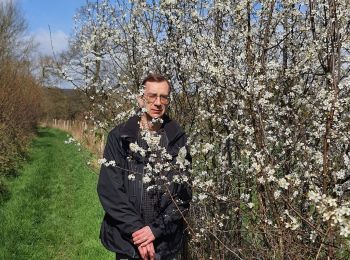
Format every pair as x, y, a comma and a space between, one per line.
144, 207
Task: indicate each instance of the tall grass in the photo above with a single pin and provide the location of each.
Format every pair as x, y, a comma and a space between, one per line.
93, 140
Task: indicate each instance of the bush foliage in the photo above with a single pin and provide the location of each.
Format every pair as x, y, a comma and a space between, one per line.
20, 93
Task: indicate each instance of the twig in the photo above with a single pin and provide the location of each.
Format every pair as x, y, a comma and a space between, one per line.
222, 243
304, 219
182, 215
53, 51
322, 243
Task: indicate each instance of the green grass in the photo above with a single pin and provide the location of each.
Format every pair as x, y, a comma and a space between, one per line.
53, 211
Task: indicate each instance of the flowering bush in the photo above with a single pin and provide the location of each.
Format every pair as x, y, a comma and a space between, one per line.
262, 89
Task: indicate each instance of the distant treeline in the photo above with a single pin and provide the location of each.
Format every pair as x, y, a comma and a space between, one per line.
67, 104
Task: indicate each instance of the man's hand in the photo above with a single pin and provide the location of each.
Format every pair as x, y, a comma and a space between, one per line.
147, 252
143, 236
143, 252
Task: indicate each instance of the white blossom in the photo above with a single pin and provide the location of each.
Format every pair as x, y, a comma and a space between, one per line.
202, 196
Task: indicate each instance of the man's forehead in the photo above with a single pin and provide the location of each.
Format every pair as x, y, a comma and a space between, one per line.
156, 87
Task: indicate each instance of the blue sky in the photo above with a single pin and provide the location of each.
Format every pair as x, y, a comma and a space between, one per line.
56, 13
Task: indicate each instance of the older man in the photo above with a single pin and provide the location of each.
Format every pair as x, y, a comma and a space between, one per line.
144, 206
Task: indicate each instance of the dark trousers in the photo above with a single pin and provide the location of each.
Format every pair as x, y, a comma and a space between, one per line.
156, 257
124, 257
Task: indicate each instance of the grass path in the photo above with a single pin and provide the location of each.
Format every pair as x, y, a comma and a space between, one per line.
53, 212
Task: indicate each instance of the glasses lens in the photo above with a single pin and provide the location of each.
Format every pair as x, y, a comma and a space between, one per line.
151, 98
164, 100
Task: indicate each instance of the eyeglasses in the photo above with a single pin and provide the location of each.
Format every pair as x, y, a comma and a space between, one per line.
151, 98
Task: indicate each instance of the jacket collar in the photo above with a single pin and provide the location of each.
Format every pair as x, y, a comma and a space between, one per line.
131, 128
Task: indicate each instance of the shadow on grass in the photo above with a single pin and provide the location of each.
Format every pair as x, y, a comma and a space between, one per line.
38, 142
44, 132
5, 193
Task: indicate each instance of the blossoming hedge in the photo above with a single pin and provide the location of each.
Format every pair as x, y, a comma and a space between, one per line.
262, 89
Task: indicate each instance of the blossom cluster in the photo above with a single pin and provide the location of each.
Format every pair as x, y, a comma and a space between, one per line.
73, 141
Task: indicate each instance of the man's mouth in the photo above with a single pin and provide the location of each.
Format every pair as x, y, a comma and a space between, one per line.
156, 111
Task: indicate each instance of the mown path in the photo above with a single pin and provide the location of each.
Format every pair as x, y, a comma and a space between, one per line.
53, 211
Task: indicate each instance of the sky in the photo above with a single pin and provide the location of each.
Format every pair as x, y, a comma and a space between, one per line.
58, 14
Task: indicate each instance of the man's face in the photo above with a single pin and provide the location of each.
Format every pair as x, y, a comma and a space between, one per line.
156, 98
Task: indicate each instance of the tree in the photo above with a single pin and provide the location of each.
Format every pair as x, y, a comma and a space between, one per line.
13, 44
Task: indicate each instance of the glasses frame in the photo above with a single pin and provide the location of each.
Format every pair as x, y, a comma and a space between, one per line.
151, 98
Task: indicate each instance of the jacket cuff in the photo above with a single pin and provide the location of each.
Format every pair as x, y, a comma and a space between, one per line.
156, 230
129, 231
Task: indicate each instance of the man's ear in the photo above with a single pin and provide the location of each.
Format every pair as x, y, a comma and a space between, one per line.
140, 102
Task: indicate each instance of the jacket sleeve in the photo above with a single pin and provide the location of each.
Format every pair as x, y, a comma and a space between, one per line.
171, 217
111, 190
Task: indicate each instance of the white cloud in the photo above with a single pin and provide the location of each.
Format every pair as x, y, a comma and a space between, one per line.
6, 1
43, 39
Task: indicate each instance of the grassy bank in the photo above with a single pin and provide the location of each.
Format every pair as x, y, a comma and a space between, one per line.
53, 212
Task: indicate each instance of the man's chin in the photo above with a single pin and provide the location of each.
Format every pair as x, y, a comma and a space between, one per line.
156, 116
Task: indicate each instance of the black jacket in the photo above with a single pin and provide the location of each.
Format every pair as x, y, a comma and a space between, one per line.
121, 197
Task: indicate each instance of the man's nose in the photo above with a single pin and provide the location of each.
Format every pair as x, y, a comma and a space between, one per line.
157, 101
